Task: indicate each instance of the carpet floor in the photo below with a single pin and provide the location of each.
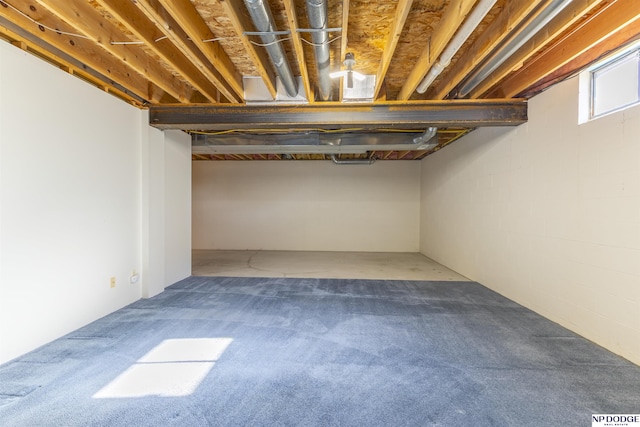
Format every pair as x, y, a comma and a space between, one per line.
220, 351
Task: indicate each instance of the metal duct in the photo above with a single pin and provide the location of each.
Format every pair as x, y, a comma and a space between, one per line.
337, 161
511, 46
424, 140
263, 21
312, 142
317, 13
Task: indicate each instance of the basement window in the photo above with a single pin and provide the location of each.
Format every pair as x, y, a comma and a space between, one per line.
611, 85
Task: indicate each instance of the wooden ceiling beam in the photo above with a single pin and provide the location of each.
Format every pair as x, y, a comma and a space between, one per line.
569, 16
86, 20
238, 15
67, 64
192, 31
453, 17
334, 115
422, 154
145, 29
402, 154
606, 22
402, 12
629, 34
76, 51
514, 12
290, 8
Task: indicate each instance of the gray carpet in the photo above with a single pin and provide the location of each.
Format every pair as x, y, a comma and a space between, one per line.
318, 352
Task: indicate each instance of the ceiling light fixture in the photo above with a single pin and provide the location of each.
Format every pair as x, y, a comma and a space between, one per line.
349, 62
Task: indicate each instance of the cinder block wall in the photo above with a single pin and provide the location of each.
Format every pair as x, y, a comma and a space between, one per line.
547, 214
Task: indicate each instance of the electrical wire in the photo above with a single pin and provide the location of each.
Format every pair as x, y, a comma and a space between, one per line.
82, 36
272, 131
126, 43
287, 131
321, 44
45, 26
215, 39
137, 42
269, 44
289, 38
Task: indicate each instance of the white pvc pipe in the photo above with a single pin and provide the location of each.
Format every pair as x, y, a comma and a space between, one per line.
512, 45
475, 17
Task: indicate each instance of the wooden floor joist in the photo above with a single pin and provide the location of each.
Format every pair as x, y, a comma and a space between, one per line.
61, 58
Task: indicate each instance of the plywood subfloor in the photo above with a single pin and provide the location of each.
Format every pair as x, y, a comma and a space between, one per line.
334, 265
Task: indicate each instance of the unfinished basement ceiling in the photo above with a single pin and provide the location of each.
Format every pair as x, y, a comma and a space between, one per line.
228, 73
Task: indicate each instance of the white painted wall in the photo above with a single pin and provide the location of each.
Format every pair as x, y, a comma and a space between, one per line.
70, 202
547, 214
177, 206
153, 212
311, 205
166, 208
75, 198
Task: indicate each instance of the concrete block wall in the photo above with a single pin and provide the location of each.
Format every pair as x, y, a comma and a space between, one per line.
547, 214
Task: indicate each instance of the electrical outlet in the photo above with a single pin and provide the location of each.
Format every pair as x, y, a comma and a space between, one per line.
113, 282
133, 279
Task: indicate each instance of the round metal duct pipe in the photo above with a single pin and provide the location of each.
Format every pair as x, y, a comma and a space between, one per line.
263, 21
317, 13
337, 161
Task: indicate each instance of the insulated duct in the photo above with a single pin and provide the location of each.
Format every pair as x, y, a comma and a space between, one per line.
263, 21
312, 142
317, 13
463, 33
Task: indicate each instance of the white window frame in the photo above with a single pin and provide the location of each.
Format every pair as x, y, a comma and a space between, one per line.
588, 83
